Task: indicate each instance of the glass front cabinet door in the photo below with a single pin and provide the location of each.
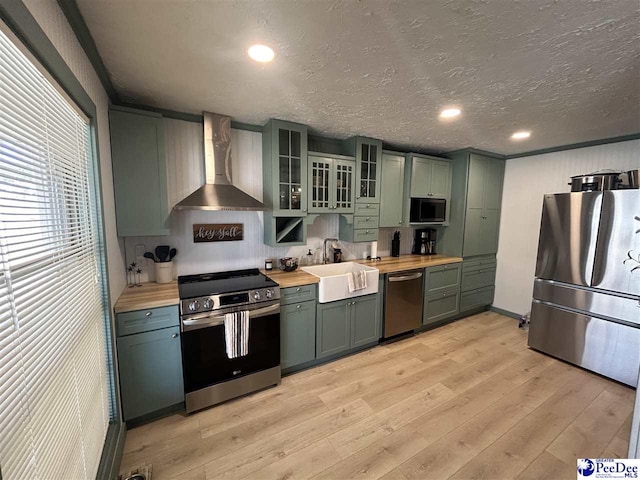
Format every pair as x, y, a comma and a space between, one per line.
368, 153
331, 183
285, 168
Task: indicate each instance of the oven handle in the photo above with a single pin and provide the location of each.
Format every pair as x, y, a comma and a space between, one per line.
212, 320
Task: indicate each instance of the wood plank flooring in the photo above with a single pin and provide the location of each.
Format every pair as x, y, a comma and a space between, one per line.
465, 401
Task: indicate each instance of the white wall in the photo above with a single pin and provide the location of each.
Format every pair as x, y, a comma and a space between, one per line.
185, 173
51, 19
526, 180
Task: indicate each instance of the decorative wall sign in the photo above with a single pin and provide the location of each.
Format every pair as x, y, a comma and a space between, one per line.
217, 232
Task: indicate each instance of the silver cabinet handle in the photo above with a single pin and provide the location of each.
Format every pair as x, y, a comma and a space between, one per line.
403, 278
446, 266
400, 222
368, 218
297, 306
367, 231
304, 209
368, 205
148, 314
298, 289
175, 335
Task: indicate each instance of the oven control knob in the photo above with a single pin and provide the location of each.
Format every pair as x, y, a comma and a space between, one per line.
193, 306
268, 293
207, 304
256, 295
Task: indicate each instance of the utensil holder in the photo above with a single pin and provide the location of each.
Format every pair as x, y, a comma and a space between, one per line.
164, 272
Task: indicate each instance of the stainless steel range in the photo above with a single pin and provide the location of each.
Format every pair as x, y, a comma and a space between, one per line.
211, 376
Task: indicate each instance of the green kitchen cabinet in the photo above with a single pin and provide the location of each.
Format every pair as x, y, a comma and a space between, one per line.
426, 177
441, 306
333, 328
430, 177
297, 333
346, 324
368, 155
442, 278
474, 209
284, 168
392, 190
364, 321
332, 182
139, 172
484, 197
150, 366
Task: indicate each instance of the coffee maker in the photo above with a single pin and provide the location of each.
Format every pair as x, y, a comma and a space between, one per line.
424, 242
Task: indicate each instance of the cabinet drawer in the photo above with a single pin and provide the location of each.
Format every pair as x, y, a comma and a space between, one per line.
370, 221
482, 277
479, 262
367, 209
476, 298
440, 306
146, 320
365, 235
302, 293
443, 277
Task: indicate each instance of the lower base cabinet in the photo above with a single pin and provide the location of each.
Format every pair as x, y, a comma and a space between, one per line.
441, 306
150, 365
297, 333
480, 297
346, 324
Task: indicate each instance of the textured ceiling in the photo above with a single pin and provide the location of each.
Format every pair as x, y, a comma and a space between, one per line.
567, 70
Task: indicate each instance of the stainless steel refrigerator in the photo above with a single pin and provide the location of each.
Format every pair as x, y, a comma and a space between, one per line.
586, 297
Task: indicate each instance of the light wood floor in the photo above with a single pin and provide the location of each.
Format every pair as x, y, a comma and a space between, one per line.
465, 401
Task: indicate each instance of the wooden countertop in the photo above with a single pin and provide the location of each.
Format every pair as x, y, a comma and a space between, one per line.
291, 279
149, 295
153, 295
386, 265
408, 262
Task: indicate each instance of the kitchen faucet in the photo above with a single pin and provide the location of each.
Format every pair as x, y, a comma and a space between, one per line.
325, 258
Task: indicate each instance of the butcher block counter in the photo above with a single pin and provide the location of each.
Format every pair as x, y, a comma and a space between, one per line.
152, 295
148, 295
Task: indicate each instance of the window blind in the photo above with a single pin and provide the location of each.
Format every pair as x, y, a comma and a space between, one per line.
54, 407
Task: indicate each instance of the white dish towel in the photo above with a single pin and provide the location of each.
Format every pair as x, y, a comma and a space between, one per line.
357, 280
236, 334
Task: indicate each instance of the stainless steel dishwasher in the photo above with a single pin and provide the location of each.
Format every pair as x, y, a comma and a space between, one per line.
403, 302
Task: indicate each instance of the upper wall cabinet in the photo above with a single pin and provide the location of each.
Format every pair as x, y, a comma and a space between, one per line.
139, 172
484, 198
331, 182
368, 153
284, 168
430, 177
475, 205
392, 190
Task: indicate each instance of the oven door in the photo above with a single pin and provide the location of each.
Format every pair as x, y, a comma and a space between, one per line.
204, 357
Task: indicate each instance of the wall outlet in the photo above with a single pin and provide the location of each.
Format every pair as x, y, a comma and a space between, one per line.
140, 251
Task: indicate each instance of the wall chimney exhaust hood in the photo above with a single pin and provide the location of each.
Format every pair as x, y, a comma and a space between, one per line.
218, 193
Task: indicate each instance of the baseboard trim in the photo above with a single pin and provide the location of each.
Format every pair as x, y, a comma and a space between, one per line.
506, 313
112, 452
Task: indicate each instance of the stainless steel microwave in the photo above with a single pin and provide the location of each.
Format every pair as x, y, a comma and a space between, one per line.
428, 210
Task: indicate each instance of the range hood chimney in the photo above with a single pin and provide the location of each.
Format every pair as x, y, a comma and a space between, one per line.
218, 193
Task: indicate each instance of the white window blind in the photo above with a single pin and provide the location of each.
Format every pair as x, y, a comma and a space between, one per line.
54, 408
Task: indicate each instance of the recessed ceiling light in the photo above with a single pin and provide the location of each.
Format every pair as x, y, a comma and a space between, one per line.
261, 53
521, 135
450, 113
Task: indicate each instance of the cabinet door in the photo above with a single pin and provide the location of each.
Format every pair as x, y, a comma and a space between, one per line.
344, 183
364, 320
473, 241
440, 179
139, 173
441, 278
332, 328
297, 333
320, 184
489, 232
150, 367
420, 177
392, 190
368, 159
440, 306
476, 183
289, 145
